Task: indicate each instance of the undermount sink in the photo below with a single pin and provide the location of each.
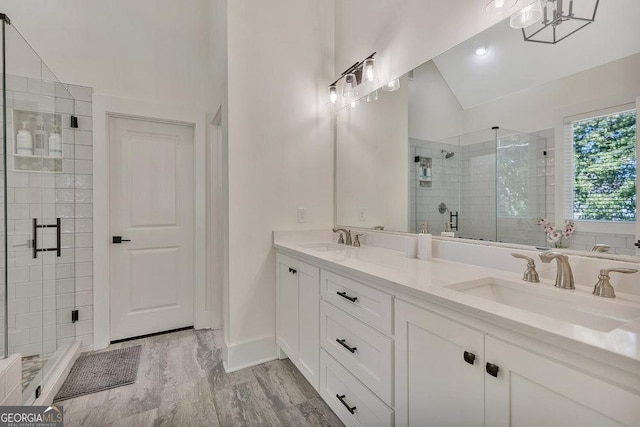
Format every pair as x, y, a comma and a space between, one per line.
325, 247
590, 311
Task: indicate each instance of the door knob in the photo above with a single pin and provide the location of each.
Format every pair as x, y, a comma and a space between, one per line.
119, 239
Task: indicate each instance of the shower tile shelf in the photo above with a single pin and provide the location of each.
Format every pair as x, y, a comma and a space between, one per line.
40, 125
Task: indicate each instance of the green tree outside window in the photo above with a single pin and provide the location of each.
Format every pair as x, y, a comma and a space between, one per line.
604, 182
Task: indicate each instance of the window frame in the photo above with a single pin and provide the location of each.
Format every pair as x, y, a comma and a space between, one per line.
564, 168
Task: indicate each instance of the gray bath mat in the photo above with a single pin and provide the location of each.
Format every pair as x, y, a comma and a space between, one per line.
101, 371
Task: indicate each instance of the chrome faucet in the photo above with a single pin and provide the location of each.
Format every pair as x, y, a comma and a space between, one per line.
603, 288
344, 234
600, 247
530, 274
564, 276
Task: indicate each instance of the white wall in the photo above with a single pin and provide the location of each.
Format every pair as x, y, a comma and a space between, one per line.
372, 162
280, 61
148, 50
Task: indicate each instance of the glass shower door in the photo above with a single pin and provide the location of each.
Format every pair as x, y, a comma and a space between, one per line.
40, 199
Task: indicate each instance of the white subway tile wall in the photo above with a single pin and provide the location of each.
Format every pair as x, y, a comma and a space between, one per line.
42, 292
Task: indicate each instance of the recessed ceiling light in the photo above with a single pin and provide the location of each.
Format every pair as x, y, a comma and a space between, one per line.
481, 50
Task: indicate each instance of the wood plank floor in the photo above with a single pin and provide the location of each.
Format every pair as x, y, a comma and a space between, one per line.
181, 382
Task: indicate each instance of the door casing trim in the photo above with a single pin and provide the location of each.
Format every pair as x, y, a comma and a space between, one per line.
105, 107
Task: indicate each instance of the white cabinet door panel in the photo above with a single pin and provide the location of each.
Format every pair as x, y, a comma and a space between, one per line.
435, 385
531, 390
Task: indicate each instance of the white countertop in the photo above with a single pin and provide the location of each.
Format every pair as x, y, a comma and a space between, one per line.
428, 280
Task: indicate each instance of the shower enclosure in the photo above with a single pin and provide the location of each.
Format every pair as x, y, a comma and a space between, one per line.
38, 213
491, 184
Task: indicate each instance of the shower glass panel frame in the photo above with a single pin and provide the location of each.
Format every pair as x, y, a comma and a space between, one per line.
472, 180
38, 185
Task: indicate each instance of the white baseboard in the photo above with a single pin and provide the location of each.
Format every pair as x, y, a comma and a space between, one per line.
58, 375
249, 353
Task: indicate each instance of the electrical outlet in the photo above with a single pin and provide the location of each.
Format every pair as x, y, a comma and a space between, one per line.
302, 215
362, 214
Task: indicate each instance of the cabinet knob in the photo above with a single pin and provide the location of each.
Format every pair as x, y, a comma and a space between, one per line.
292, 271
470, 358
351, 409
492, 369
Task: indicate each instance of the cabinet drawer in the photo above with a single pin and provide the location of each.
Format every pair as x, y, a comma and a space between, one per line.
365, 352
336, 381
367, 304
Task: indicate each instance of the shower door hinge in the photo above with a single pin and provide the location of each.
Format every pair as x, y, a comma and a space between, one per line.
5, 18
74, 316
74, 122
38, 391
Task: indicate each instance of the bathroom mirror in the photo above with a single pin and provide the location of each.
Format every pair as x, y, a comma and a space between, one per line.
498, 132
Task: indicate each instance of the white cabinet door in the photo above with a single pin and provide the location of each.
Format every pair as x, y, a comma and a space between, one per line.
309, 323
531, 390
437, 383
287, 290
298, 315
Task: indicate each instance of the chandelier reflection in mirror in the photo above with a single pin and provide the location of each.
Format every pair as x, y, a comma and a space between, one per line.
551, 21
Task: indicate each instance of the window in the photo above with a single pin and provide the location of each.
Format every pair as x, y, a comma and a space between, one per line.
603, 172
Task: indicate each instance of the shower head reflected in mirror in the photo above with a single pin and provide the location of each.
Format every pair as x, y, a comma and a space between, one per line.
447, 154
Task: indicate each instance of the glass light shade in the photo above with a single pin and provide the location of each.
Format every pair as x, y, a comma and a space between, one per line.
371, 96
369, 74
350, 84
333, 94
392, 85
497, 6
527, 16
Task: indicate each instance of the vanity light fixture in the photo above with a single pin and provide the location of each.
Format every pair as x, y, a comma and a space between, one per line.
350, 86
497, 6
371, 96
393, 85
360, 72
333, 94
369, 74
557, 18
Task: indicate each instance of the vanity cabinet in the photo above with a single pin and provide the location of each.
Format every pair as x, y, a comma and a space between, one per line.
439, 368
450, 374
531, 389
298, 315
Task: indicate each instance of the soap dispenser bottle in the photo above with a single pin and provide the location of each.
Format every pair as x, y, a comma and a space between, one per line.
448, 230
55, 143
24, 141
424, 242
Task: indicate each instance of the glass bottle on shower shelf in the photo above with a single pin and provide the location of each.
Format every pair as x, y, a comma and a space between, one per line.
24, 141
55, 142
40, 136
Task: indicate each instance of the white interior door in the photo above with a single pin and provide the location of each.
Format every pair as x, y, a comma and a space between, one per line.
151, 209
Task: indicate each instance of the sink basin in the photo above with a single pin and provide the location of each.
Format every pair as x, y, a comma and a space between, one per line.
325, 247
590, 311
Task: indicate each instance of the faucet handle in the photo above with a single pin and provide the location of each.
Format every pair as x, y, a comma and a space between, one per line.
530, 274
356, 239
603, 288
340, 234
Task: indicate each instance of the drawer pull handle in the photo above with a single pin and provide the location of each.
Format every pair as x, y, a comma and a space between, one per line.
492, 369
344, 295
292, 271
470, 358
351, 409
343, 343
